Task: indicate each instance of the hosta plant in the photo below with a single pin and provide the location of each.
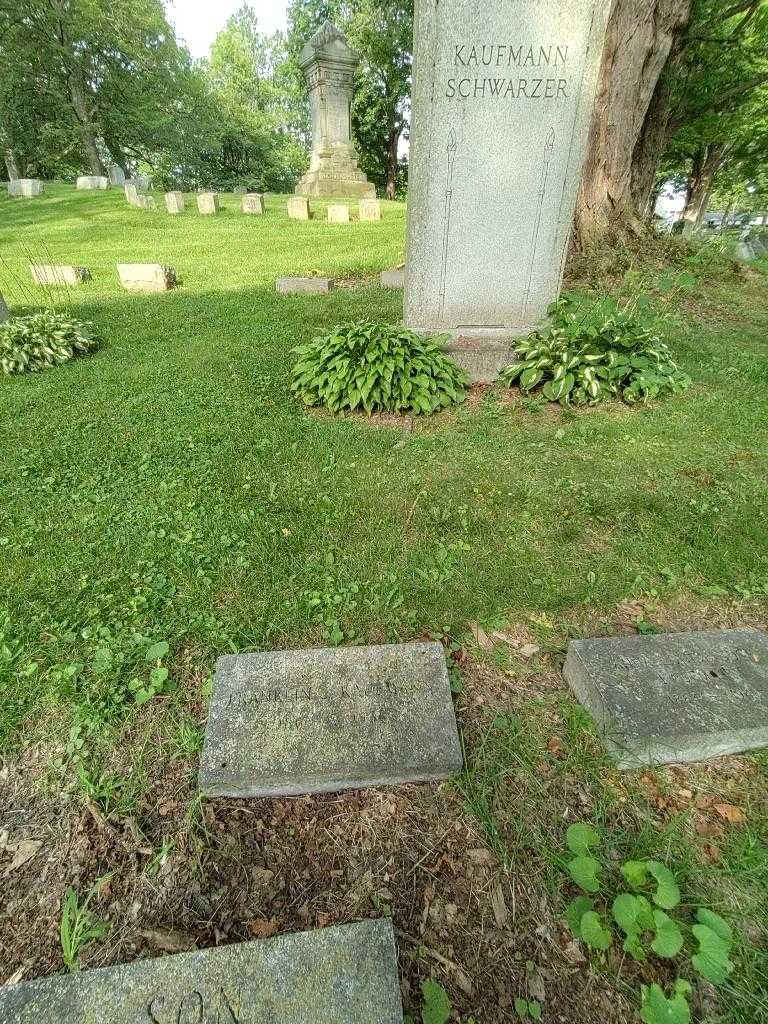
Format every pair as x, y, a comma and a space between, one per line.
377, 368
632, 907
580, 359
35, 342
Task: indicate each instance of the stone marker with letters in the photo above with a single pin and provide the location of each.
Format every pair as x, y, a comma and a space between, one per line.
25, 188
329, 66
146, 277
298, 208
43, 273
87, 182
345, 975
502, 102
303, 285
674, 697
369, 209
174, 202
253, 202
311, 721
207, 203
338, 213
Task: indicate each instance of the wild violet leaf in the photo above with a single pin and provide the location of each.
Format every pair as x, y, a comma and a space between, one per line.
585, 871
580, 838
594, 933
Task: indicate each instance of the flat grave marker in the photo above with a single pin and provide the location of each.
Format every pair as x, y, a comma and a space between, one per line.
345, 975
50, 274
288, 722
25, 188
86, 182
674, 697
303, 285
146, 277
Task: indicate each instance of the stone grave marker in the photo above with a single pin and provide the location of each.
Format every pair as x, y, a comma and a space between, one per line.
298, 208
329, 66
131, 193
174, 202
303, 285
4, 314
338, 213
369, 209
207, 203
392, 278
239, 190
253, 202
92, 181
146, 203
116, 175
502, 102
25, 188
43, 273
344, 975
146, 277
674, 697
311, 721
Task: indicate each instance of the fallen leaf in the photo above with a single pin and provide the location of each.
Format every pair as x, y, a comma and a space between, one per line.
481, 856
686, 794
555, 745
260, 928
528, 650
729, 813
170, 941
16, 976
24, 851
500, 909
713, 852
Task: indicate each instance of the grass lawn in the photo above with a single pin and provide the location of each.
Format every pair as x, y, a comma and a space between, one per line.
168, 489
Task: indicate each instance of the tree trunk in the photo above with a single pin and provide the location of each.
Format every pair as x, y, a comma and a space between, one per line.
705, 169
392, 146
638, 44
77, 94
11, 164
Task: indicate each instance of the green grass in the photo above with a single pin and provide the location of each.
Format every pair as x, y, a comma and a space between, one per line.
168, 488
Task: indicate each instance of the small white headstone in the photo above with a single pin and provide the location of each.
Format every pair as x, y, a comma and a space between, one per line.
92, 181
131, 193
298, 208
207, 203
116, 175
174, 202
253, 202
338, 213
146, 277
370, 209
26, 188
59, 274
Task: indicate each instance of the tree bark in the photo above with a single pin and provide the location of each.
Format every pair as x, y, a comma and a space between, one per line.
392, 146
77, 93
639, 40
11, 164
705, 167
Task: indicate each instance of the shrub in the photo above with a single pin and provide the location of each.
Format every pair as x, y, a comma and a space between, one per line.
378, 368
35, 342
582, 359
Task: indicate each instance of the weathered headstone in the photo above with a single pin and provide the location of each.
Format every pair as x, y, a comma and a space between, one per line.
675, 696
4, 314
146, 277
143, 182
146, 203
174, 202
392, 278
25, 188
338, 213
239, 190
61, 274
253, 202
298, 208
116, 175
502, 102
329, 66
369, 209
311, 721
92, 181
303, 285
131, 193
207, 202
345, 975
745, 252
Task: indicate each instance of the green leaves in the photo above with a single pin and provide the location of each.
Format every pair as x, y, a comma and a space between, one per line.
667, 893
585, 872
715, 940
594, 933
657, 1009
29, 344
580, 839
377, 368
437, 1005
668, 940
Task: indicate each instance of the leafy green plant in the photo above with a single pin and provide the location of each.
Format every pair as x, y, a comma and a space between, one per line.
643, 922
77, 927
436, 1008
378, 368
32, 343
581, 359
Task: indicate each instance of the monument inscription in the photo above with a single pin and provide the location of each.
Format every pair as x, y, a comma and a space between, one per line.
674, 696
289, 722
503, 95
347, 975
